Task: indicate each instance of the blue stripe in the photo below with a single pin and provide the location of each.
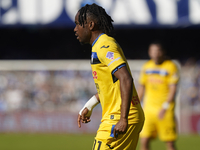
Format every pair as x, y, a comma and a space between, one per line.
112, 131
120, 66
97, 39
161, 72
94, 55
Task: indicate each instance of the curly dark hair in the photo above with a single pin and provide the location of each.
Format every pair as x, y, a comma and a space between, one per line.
99, 15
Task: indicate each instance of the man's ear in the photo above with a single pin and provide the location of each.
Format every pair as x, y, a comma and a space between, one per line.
91, 25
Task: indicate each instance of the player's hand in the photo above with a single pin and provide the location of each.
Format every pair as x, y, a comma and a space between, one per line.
83, 118
120, 127
161, 113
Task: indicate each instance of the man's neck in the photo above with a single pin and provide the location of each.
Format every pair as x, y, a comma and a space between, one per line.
95, 35
160, 61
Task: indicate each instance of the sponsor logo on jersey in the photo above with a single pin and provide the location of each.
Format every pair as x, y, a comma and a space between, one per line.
135, 100
110, 55
94, 74
105, 46
155, 80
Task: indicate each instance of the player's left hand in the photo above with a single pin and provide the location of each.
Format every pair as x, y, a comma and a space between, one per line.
120, 127
83, 118
161, 113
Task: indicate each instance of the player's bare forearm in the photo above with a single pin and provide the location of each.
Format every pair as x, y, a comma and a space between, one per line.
172, 92
171, 96
126, 87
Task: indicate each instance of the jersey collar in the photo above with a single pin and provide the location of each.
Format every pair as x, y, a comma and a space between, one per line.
96, 39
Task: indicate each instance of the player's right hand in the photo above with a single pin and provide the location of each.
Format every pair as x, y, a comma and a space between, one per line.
83, 118
120, 127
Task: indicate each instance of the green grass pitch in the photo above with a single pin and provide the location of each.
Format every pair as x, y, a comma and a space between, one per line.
9, 141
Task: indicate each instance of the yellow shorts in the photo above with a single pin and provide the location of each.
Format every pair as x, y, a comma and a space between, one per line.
104, 139
165, 128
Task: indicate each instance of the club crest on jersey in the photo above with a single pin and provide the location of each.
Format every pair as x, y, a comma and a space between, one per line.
94, 74
110, 55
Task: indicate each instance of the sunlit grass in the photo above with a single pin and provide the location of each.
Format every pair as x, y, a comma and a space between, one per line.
10, 141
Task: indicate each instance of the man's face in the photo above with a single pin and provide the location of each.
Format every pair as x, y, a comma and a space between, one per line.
82, 33
155, 52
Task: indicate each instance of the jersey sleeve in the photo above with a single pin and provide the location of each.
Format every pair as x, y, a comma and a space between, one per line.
173, 75
112, 56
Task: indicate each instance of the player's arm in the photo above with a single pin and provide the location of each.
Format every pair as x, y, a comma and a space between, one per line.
126, 87
172, 83
86, 111
172, 93
142, 81
141, 90
170, 98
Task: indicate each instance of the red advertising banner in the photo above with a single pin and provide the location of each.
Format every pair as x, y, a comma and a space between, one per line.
195, 123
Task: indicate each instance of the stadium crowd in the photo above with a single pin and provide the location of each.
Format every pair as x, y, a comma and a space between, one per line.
44, 90
190, 85
60, 90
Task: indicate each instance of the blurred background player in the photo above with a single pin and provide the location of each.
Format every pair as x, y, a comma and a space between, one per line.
122, 115
158, 85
